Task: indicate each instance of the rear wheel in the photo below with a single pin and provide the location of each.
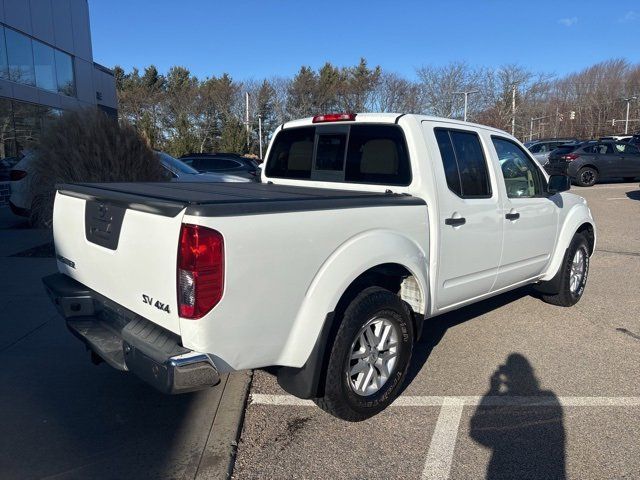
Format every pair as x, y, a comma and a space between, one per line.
587, 176
369, 357
572, 274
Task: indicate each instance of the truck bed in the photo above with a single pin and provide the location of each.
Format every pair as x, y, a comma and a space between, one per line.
229, 199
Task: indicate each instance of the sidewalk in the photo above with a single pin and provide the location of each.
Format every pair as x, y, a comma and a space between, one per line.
64, 417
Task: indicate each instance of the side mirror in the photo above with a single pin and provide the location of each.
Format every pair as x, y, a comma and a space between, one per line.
558, 183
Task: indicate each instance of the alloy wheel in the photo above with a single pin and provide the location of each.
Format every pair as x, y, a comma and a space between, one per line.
373, 356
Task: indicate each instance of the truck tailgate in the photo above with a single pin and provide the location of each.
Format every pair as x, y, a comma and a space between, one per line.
128, 254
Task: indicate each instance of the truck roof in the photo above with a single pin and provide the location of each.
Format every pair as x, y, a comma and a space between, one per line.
392, 118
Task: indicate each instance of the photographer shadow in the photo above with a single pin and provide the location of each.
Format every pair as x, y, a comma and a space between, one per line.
521, 424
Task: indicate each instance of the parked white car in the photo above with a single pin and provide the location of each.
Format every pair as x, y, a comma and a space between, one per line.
20, 185
364, 228
177, 171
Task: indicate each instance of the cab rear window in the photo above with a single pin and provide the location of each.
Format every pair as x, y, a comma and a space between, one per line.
371, 154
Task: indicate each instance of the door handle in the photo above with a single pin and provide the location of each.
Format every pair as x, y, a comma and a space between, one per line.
512, 216
455, 222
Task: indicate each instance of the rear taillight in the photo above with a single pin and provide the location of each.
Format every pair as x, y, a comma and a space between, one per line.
16, 175
200, 275
570, 157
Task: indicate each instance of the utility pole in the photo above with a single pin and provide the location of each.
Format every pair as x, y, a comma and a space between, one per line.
626, 122
466, 96
246, 116
513, 110
535, 119
260, 134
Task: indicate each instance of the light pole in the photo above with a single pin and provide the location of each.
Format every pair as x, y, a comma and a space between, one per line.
626, 122
513, 110
260, 133
466, 96
246, 117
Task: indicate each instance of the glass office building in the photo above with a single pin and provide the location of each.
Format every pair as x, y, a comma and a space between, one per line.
46, 67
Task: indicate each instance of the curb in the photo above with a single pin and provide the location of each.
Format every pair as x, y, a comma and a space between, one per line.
219, 454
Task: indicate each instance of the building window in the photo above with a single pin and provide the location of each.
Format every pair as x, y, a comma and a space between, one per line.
20, 56
21, 126
64, 70
4, 68
45, 66
7, 132
28, 61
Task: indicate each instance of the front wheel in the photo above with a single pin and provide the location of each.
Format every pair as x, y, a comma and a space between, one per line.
587, 177
572, 274
369, 357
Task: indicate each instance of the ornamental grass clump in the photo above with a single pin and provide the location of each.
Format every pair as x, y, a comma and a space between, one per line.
87, 146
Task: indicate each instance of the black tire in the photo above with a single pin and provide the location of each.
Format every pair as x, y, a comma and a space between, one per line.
566, 297
340, 399
629, 179
587, 177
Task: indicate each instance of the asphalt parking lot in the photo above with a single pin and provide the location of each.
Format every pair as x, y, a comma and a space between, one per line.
567, 404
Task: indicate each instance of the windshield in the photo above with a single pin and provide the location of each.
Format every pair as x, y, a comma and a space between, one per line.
175, 164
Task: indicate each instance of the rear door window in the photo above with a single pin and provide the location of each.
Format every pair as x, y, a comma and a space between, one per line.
626, 148
464, 163
369, 154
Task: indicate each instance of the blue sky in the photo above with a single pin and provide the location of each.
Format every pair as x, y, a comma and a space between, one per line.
257, 39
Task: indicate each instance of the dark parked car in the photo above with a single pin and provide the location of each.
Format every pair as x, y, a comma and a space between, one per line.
588, 162
230, 163
540, 149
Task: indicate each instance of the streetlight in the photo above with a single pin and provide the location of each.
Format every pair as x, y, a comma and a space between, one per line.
260, 133
466, 95
626, 122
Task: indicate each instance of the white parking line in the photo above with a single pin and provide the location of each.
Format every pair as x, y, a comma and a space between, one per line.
469, 401
619, 198
604, 187
443, 442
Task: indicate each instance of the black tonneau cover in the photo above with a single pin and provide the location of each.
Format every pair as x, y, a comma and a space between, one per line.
229, 199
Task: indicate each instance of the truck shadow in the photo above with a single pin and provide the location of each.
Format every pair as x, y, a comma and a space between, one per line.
435, 329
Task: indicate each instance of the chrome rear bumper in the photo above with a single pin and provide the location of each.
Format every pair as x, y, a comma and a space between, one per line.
129, 342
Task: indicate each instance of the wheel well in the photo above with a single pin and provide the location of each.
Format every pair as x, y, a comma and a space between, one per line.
308, 381
589, 166
586, 229
388, 276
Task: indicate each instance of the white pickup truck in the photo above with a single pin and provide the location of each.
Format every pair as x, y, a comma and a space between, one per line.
363, 228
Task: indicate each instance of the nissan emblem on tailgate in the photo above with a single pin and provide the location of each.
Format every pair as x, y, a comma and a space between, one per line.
103, 222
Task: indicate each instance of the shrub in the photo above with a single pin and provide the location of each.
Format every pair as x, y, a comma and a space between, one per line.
87, 146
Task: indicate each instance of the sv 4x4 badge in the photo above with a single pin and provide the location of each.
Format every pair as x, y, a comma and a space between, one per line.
158, 304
